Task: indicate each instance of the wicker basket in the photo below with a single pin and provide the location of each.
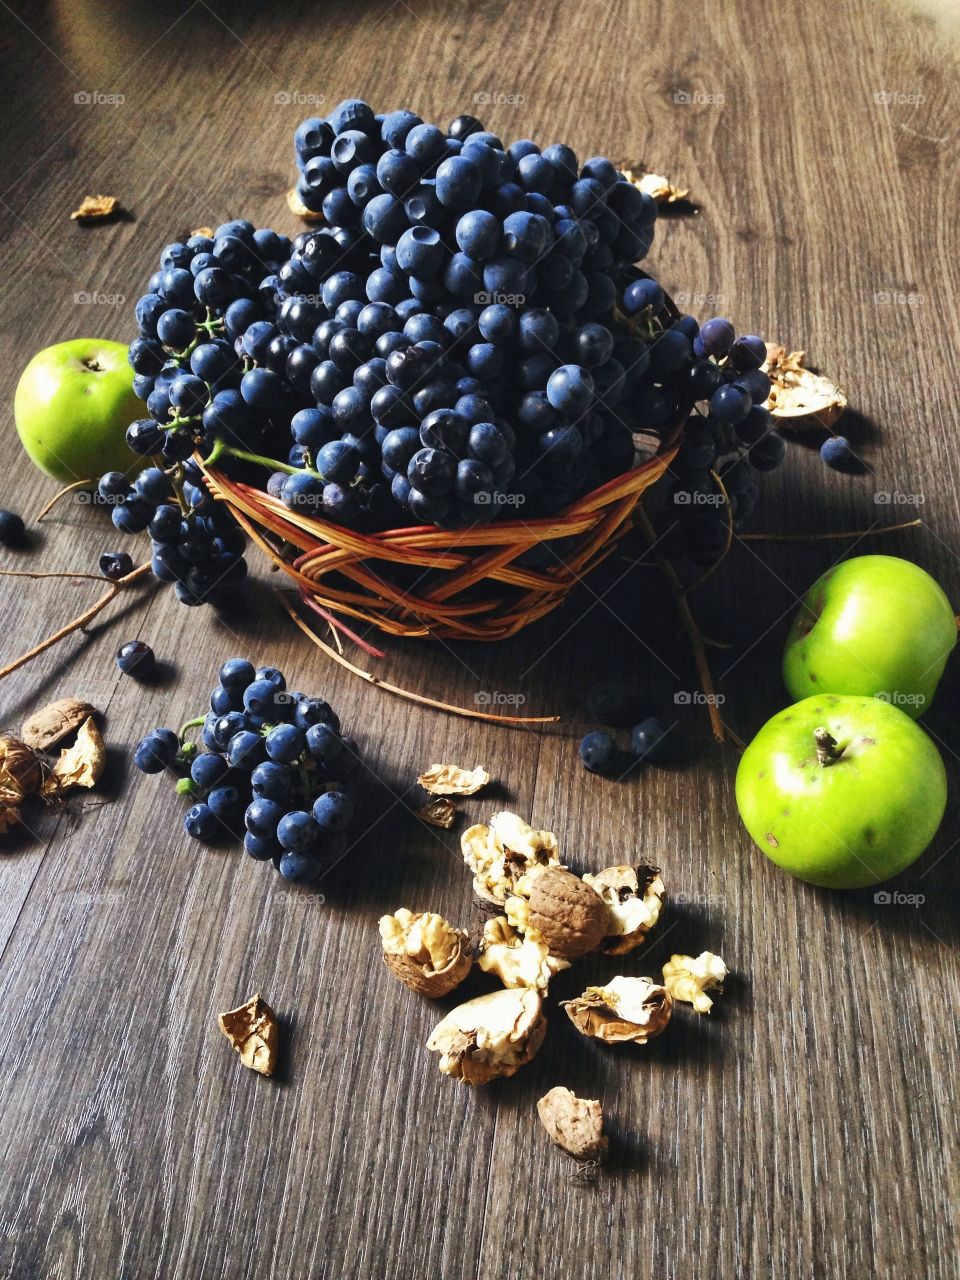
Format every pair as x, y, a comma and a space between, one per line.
462, 584
466, 583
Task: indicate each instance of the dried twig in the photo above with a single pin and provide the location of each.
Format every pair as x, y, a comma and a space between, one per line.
77, 484
405, 693
827, 537
79, 622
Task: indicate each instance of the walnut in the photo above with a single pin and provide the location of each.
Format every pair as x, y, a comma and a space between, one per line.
689, 980
503, 851
252, 1030
570, 916
440, 812
80, 765
799, 397
93, 208
491, 1036
626, 1009
575, 1124
424, 951
634, 897
56, 720
451, 780
517, 959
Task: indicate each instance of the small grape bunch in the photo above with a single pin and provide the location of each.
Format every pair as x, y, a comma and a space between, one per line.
273, 763
195, 542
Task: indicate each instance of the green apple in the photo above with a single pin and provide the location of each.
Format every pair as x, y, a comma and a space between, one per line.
73, 405
877, 625
842, 791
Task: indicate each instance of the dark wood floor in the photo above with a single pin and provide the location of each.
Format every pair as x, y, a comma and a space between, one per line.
809, 1126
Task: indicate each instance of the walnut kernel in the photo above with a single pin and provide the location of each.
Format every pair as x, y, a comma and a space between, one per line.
501, 852
688, 979
518, 960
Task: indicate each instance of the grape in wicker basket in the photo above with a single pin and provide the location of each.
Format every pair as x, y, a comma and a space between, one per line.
274, 764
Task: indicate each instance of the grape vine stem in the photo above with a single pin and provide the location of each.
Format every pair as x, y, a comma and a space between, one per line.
690, 627
80, 621
424, 701
62, 493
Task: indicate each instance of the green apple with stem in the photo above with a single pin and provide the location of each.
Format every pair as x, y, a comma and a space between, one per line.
73, 404
878, 625
842, 791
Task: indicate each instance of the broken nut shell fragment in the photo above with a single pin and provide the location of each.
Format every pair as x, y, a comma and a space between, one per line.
80, 765
252, 1030
451, 780
575, 1124
425, 951
491, 1036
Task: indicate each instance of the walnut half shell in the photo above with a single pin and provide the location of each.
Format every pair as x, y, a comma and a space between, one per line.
565, 911
424, 951
575, 1124
626, 1009
491, 1036
47, 726
634, 898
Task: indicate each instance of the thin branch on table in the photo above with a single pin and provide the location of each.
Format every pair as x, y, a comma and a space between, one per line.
52, 573
77, 484
689, 625
828, 537
79, 622
405, 693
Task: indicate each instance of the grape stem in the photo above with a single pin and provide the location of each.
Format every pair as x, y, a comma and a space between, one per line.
689, 625
191, 724
79, 622
468, 712
62, 493
827, 749
223, 450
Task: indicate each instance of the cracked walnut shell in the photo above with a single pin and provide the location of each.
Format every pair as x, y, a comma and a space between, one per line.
798, 396
626, 1009
252, 1030
575, 1124
501, 852
688, 979
517, 959
634, 898
424, 951
491, 1036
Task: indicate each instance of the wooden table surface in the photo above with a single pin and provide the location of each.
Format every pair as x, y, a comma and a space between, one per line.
808, 1127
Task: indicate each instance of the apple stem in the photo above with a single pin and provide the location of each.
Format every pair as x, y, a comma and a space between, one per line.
827, 750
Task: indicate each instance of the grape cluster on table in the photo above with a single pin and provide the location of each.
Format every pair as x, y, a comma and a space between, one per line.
463, 336
274, 764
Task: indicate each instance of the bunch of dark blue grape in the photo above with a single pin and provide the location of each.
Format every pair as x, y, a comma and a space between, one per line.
713, 479
190, 365
196, 544
481, 339
274, 762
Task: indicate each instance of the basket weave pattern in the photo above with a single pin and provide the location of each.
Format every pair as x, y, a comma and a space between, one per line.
468, 584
